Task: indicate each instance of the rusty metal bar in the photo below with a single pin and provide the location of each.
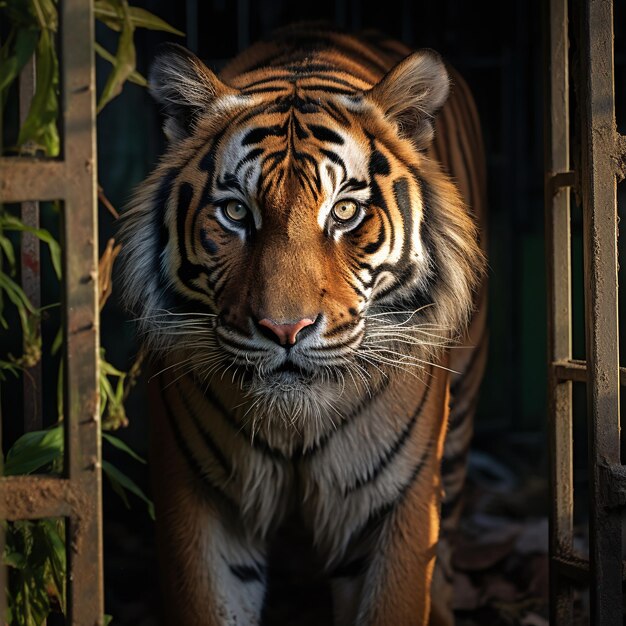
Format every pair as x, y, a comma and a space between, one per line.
560, 180
558, 255
576, 371
73, 180
30, 265
23, 179
81, 319
35, 497
598, 180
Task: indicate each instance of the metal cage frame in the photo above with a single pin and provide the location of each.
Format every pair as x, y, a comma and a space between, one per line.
77, 496
600, 157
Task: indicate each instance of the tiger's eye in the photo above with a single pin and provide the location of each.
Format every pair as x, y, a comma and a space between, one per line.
345, 210
236, 211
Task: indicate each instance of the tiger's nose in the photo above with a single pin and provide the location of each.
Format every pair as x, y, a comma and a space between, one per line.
285, 333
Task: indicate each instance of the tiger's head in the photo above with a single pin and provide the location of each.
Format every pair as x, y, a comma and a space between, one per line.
297, 233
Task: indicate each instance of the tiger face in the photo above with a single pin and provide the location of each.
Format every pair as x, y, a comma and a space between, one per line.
296, 233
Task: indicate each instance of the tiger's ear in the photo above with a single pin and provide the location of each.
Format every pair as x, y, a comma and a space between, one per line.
411, 93
184, 87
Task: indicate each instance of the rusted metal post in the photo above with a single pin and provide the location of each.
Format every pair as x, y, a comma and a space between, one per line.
80, 309
78, 496
598, 179
557, 224
30, 265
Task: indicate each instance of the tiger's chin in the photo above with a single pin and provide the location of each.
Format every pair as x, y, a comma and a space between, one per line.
292, 407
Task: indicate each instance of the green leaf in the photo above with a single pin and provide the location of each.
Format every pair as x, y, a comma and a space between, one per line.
144, 19
124, 64
25, 44
55, 550
13, 558
120, 445
111, 15
39, 128
9, 366
108, 369
57, 343
33, 451
7, 248
134, 77
16, 294
114, 474
10, 222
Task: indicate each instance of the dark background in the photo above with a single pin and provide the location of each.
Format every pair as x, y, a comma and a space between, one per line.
497, 47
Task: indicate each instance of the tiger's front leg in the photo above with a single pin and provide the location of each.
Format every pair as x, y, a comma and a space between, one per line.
397, 586
395, 589
211, 574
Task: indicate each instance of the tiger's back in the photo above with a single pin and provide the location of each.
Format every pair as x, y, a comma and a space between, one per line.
344, 431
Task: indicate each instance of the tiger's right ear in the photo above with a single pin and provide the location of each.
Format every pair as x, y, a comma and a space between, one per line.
184, 87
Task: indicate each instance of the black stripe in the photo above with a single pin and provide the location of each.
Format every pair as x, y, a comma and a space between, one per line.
352, 569
256, 135
336, 331
392, 452
366, 400
209, 491
335, 112
458, 384
321, 133
206, 436
378, 514
374, 246
403, 202
247, 91
159, 202
258, 443
247, 573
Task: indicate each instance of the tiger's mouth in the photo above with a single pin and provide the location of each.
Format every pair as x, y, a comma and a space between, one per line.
286, 372
290, 368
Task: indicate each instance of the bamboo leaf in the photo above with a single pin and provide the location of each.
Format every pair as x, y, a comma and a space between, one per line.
7, 248
144, 19
55, 545
39, 128
33, 451
120, 445
124, 61
134, 77
25, 44
113, 473
109, 14
16, 294
57, 343
10, 222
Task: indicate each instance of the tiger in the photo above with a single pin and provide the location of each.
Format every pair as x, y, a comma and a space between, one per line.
306, 265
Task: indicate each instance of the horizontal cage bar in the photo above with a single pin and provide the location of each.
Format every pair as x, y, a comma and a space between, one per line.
23, 179
576, 371
35, 497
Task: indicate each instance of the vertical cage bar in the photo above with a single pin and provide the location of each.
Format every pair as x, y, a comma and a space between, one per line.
557, 222
30, 264
601, 310
81, 341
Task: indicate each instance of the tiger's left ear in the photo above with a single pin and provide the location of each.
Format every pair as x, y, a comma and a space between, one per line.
411, 93
185, 88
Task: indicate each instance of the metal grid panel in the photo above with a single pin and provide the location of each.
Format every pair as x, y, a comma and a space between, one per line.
72, 180
602, 151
